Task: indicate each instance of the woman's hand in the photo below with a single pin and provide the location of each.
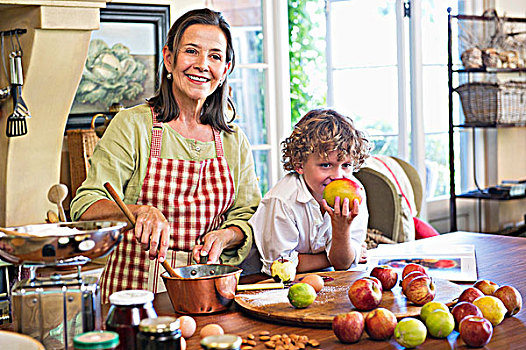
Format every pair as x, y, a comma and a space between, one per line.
152, 231
214, 242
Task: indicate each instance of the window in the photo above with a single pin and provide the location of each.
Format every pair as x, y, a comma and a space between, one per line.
371, 73
254, 82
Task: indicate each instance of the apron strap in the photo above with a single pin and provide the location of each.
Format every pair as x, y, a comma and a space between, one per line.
218, 143
157, 136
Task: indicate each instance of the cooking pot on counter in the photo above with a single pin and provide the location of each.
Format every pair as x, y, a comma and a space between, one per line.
202, 289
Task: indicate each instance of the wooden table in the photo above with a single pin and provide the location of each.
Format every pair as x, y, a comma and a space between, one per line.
499, 258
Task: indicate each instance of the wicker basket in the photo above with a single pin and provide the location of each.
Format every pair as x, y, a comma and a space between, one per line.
81, 143
491, 103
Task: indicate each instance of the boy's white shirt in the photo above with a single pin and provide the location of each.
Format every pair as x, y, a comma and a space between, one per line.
288, 221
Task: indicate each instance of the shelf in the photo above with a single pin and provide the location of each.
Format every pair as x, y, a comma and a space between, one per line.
487, 18
491, 70
484, 194
490, 125
492, 193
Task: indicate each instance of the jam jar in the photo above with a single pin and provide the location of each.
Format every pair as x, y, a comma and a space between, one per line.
161, 333
223, 341
128, 308
96, 340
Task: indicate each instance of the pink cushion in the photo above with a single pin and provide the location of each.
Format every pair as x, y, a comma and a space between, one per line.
423, 229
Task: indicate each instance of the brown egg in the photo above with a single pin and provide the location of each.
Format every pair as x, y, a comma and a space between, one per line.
187, 325
211, 329
316, 281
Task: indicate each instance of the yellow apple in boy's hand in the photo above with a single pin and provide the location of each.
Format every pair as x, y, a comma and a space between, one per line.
343, 188
283, 270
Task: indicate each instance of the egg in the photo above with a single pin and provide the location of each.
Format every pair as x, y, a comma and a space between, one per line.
315, 281
211, 329
183, 344
187, 325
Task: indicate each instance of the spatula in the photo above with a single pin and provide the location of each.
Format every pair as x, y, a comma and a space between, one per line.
16, 122
131, 218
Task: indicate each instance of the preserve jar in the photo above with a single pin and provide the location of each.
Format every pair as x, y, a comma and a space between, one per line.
161, 333
96, 340
223, 341
128, 308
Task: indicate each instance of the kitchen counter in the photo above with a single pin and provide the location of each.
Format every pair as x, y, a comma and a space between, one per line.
500, 259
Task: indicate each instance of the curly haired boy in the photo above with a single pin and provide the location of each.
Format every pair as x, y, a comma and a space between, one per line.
293, 221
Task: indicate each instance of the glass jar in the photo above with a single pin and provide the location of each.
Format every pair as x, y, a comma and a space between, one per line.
96, 340
161, 333
223, 341
128, 308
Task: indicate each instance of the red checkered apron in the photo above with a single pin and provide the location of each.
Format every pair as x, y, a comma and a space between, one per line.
192, 195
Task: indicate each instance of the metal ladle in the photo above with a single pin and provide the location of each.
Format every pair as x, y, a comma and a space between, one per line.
131, 218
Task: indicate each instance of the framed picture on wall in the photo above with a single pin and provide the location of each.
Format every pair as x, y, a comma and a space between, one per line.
123, 60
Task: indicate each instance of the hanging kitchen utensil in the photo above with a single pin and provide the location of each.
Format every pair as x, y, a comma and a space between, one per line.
4, 92
129, 215
16, 122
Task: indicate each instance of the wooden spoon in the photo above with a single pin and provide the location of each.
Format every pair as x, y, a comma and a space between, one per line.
57, 194
131, 218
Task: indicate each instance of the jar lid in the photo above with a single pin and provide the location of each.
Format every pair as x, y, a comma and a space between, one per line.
161, 324
131, 297
96, 340
223, 341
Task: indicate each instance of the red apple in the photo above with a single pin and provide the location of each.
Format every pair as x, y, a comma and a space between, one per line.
380, 324
485, 286
387, 276
409, 277
470, 294
463, 309
420, 290
375, 280
412, 267
343, 188
511, 298
475, 331
348, 327
365, 293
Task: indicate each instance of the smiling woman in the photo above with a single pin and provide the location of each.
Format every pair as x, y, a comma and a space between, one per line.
185, 172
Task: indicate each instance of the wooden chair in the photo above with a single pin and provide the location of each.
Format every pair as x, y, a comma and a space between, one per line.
385, 203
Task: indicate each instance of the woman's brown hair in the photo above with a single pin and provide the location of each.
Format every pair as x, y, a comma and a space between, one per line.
214, 111
320, 132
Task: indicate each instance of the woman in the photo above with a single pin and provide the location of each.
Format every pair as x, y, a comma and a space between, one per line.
185, 173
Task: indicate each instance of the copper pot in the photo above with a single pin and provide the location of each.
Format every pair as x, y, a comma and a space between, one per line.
202, 289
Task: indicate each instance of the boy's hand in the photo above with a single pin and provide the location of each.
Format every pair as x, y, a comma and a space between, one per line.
341, 216
342, 253
363, 254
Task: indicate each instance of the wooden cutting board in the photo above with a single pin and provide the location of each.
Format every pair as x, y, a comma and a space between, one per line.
273, 305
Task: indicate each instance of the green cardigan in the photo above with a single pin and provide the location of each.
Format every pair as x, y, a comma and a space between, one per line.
121, 158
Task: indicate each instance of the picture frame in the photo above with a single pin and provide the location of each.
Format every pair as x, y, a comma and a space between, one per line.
123, 61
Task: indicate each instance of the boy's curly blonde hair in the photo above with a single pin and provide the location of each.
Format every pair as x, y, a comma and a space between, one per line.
320, 132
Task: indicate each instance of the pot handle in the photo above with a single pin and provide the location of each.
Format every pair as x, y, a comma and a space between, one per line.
95, 118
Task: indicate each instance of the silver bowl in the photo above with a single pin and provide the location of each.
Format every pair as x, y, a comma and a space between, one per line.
51, 244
